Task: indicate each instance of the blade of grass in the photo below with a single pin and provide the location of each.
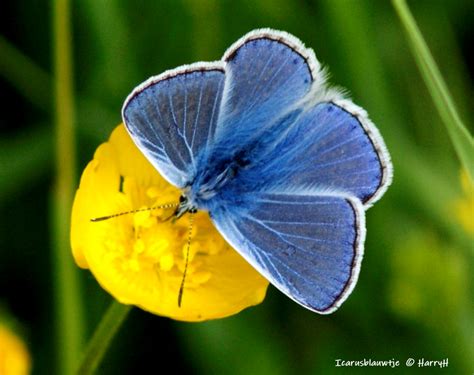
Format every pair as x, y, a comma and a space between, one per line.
412, 170
35, 84
461, 139
102, 337
108, 22
205, 39
68, 309
24, 159
29, 79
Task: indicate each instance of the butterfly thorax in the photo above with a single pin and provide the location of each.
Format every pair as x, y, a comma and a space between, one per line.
212, 181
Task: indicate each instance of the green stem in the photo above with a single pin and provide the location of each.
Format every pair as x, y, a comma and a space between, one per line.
460, 137
68, 309
103, 335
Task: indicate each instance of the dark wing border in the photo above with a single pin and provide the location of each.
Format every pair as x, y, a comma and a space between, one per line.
378, 144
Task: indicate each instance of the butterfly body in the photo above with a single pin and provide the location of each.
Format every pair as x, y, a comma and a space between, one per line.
225, 178
285, 166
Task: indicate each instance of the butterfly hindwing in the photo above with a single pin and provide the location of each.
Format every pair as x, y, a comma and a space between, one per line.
308, 246
173, 117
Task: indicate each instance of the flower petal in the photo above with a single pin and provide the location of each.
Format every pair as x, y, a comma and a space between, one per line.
139, 258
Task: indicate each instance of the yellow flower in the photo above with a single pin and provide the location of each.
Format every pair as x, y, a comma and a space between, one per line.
139, 258
14, 356
464, 207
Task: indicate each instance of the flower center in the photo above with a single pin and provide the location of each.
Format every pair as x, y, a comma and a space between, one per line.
153, 245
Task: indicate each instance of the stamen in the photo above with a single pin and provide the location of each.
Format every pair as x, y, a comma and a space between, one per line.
181, 288
102, 218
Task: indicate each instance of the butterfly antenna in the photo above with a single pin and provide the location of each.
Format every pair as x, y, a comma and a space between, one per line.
181, 288
102, 218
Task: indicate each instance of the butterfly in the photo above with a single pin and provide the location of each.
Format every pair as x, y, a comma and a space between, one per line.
284, 165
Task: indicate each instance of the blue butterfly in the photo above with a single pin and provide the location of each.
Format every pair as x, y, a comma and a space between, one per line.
285, 165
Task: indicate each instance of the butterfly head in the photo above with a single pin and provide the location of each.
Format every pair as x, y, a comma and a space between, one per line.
185, 205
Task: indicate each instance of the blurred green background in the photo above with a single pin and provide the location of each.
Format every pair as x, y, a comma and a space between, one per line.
414, 297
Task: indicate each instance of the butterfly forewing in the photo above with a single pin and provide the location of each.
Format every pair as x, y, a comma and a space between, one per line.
172, 118
267, 73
